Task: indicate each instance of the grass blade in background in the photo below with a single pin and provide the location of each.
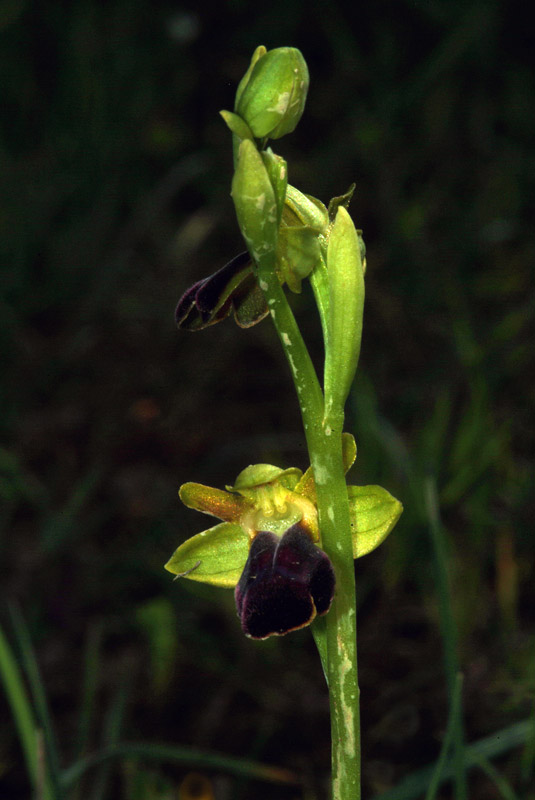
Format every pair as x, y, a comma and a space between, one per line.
414, 785
89, 688
112, 730
455, 709
188, 757
528, 756
23, 716
503, 785
449, 632
39, 699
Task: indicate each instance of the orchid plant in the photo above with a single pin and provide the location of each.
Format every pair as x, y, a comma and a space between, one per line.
287, 539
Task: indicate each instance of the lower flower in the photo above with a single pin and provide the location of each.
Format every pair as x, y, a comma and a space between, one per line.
286, 582
267, 547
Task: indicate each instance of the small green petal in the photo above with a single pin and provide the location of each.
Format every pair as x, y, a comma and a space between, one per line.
289, 478
374, 512
349, 450
216, 502
216, 556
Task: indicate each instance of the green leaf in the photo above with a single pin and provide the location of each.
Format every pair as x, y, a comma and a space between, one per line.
216, 556
374, 512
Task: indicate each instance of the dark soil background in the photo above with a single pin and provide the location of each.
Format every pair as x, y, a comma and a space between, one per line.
115, 180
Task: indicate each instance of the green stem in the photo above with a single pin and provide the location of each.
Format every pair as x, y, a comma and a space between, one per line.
324, 440
333, 508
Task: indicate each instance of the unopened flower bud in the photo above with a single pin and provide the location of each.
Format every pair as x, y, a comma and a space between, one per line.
273, 99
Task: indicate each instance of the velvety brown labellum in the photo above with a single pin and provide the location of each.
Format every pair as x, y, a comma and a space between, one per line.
231, 288
286, 581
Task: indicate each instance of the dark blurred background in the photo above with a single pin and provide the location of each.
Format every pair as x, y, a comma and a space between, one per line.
115, 180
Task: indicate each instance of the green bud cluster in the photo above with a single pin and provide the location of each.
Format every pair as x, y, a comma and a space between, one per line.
289, 232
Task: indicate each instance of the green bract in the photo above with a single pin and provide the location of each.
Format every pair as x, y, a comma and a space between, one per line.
278, 175
237, 125
268, 498
346, 301
271, 96
256, 205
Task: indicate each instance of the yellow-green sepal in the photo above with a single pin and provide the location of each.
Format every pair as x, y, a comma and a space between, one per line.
223, 505
373, 512
216, 556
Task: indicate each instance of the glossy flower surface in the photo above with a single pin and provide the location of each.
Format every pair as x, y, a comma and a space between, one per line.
286, 582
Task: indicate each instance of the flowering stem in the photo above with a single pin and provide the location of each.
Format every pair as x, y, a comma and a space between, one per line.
341, 628
338, 629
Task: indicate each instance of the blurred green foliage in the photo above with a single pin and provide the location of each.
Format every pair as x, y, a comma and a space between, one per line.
115, 176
